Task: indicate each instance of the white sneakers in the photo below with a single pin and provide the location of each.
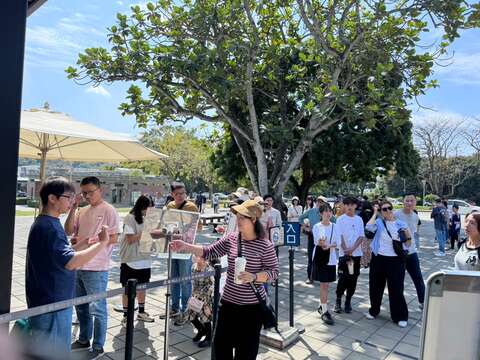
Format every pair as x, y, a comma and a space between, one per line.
402, 324
368, 316
145, 317
439, 253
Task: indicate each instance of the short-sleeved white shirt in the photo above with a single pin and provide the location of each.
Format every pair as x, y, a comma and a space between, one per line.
350, 228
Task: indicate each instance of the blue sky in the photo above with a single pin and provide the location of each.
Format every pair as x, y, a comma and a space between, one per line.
60, 29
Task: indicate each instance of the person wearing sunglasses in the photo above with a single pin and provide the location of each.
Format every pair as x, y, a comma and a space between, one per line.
387, 266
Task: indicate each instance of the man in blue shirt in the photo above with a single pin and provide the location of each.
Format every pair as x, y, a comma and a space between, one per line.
51, 264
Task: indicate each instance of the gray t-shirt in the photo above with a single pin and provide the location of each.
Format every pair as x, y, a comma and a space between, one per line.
412, 221
467, 259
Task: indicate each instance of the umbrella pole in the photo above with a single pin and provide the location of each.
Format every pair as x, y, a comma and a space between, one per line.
43, 161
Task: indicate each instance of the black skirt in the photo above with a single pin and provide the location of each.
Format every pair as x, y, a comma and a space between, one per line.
324, 274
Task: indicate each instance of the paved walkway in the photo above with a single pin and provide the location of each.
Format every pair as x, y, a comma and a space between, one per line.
352, 336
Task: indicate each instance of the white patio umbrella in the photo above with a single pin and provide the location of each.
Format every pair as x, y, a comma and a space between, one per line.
52, 135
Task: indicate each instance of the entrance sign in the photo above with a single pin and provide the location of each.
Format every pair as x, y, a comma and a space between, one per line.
291, 231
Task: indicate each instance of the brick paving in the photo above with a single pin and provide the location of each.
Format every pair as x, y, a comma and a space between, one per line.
353, 337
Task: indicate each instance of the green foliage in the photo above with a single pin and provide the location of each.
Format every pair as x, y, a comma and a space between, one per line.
272, 70
431, 198
188, 157
33, 203
21, 201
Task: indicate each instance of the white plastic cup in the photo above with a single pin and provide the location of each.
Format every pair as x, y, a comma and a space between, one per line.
350, 267
240, 264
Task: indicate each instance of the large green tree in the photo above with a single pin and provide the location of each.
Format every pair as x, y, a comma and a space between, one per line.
188, 157
218, 61
347, 152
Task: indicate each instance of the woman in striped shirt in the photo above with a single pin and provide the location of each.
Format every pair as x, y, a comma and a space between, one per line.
240, 315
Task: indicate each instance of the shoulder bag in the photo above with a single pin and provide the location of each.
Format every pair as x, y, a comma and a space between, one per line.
269, 318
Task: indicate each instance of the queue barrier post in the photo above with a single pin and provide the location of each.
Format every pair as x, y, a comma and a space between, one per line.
276, 288
216, 302
291, 253
131, 292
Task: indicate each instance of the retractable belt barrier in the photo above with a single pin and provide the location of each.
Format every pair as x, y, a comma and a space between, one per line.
39, 310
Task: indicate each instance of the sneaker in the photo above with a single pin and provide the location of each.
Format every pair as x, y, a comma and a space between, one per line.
95, 354
439, 253
348, 307
204, 343
181, 320
319, 310
327, 318
78, 346
308, 281
420, 307
402, 324
198, 336
369, 316
124, 321
145, 317
338, 307
173, 314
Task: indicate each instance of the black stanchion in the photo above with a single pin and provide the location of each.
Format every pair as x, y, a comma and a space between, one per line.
167, 300
131, 291
216, 292
291, 253
216, 301
276, 289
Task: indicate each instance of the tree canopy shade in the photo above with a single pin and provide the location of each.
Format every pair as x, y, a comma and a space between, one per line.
245, 63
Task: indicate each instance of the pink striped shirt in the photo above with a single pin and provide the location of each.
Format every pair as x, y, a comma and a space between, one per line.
260, 255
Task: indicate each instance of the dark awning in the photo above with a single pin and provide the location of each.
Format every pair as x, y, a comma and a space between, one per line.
34, 5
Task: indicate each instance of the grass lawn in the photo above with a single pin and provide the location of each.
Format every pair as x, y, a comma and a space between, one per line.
24, 212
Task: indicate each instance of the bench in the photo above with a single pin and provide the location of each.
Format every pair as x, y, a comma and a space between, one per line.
214, 218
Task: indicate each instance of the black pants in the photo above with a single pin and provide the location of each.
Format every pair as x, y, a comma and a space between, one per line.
388, 270
413, 268
310, 247
238, 327
453, 238
345, 280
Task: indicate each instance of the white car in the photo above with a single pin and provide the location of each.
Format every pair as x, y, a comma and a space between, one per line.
464, 208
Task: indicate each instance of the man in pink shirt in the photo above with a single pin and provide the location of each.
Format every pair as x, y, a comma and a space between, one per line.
84, 226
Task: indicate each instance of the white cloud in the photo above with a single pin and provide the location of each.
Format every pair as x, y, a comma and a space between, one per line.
463, 68
99, 90
424, 116
50, 37
120, 3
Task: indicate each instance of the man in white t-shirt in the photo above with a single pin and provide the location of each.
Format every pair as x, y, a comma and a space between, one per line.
352, 233
412, 265
271, 217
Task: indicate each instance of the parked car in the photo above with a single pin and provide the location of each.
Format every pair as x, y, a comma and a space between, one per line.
463, 207
21, 193
221, 196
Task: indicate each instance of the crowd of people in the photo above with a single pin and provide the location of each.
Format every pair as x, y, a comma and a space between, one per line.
72, 260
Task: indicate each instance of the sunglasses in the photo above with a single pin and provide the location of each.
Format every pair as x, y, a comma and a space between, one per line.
387, 208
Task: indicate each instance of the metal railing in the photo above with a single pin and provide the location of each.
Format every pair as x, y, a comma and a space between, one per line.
130, 290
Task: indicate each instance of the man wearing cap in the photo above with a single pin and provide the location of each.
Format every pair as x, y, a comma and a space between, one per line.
313, 217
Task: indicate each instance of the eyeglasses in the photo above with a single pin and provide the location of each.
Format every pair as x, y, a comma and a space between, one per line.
69, 197
85, 193
387, 208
